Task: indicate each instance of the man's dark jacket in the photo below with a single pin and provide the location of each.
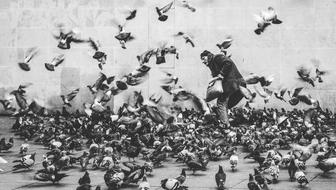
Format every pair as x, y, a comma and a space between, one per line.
221, 64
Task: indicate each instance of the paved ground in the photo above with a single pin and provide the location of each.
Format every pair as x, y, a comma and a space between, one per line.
202, 180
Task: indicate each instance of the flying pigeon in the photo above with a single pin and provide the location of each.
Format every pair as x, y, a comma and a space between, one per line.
305, 76
123, 37
169, 78
186, 4
264, 93
165, 9
66, 99
55, 62
98, 55
187, 37
266, 18
65, 39
29, 54
225, 45
99, 84
7, 105
145, 57
280, 94
294, 100
131, 15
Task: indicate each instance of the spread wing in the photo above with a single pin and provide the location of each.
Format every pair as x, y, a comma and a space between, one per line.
72, 94
167, 7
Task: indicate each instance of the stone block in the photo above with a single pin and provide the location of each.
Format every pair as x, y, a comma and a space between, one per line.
33, 37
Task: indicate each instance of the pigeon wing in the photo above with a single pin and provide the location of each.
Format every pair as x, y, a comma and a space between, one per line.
73, 94
167, 7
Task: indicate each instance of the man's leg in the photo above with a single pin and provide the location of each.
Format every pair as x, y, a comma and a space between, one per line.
222, 104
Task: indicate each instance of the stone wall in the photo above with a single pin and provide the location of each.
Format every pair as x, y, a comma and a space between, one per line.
307, 32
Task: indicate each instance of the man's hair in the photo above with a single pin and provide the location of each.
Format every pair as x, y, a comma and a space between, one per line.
206, 53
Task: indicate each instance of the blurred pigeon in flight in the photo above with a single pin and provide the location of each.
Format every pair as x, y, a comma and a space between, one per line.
305, 76
145, 57
98, 55
318, 72
263, 80
99, 84
187, 37
266, 18
225, 45
29, 54
131, 15
55, 62
169, 78
20, 99
165, 9
280, 94
186, 4
294, 100
122, 36
7, 105
65, 39
138, 76
67, 98
264, 93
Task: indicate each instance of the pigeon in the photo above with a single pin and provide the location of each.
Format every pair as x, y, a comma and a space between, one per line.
185, 4
85, 179
144, 184
7, 105
305, 76
280, 94
187, 37
266, 18
171, 50
99, 84
138, 76
169, 78
220, 178
225, 44
161, 11
254, 79
145, 57
65, 39
301, 178
25, 162
252, 184
307, 99
66, 99
20, 99
123, 37
55, 62
29, 54
234, 161
131, 15
265, 93
294, 100
98, 55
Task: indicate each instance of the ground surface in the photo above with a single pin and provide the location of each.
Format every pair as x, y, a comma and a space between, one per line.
202, 180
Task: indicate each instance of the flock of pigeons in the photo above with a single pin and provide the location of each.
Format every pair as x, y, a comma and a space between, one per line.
158, 131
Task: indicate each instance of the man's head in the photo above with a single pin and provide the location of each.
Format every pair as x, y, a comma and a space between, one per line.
205, 56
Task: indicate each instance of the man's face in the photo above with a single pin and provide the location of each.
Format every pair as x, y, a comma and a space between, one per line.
205, 60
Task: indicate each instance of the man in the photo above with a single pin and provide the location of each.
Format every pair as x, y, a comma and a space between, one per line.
234, 86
